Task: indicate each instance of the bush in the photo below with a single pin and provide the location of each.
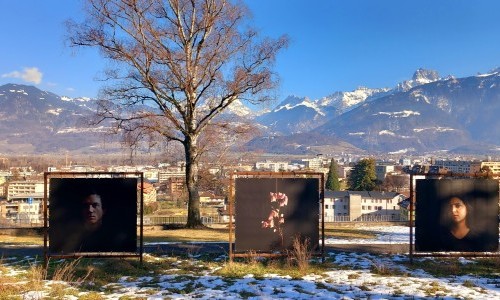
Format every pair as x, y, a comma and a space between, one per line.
150, 208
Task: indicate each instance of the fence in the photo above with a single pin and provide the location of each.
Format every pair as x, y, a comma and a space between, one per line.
22, 220
207, 220
367, 218
162, 220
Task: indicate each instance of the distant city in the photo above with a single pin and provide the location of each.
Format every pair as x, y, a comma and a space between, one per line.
22, 183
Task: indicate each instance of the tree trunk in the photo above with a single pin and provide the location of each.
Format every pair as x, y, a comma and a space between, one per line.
191, 152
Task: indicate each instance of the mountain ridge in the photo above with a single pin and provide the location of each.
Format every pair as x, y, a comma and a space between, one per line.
423, 114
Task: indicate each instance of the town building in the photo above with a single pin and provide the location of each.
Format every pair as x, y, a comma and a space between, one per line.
23, 204
491, 166
362, 206
381, 170
454, 166
166, 174
468, 167
310, 163
175, 186
21, 213
209, 199
273, 166
344, 171
148, 192
22, 190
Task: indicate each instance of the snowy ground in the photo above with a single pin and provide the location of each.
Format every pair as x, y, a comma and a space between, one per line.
351, 276
385, 235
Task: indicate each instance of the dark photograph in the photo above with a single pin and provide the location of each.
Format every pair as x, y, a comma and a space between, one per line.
92, 215
271, 212
457, 215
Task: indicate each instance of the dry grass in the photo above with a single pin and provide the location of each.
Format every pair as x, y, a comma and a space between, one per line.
9, 289
21, 240
218, 233
66, 272
300, 254
212, 233
331, 231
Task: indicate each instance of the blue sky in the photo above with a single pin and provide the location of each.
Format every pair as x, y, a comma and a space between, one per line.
336, 45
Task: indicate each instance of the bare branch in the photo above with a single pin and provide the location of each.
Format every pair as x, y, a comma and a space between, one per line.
177, 65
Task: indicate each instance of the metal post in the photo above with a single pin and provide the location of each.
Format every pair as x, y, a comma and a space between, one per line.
411, 219
141, 238
322, 200
45, 223
231, 199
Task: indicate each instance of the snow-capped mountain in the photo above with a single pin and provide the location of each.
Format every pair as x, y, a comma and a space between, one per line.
421, 76
439, 115
434, 114
35, 121
426, 113
240, 109
300, 114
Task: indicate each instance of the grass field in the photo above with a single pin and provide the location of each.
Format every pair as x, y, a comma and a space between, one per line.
214, 233
343, 275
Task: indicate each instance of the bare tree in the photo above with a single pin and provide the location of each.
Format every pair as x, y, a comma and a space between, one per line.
187, 59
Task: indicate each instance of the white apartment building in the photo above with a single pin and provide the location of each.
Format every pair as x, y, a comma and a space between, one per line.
24, 202
274, 166
171, 172
19, 190
362, 205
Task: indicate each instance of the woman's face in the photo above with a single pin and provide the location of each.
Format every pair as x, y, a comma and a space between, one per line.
458, 210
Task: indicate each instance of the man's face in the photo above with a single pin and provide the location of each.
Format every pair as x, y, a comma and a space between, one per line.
92, 209
458, 209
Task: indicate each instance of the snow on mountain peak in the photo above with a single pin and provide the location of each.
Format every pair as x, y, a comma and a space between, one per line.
420, 77
239, 109
293, 101
343, 101
425, 76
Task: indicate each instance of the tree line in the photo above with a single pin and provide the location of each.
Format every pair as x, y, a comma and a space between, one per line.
363, 177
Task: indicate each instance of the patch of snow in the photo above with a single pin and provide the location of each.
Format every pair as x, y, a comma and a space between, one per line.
56, 111
487, 75
80, 130
356, 133
399, 114
437, 129
402, 151
19, 91
386, 132
417, 94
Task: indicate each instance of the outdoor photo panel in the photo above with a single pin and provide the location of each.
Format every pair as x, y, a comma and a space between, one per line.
456, 215
92, 215
271, 212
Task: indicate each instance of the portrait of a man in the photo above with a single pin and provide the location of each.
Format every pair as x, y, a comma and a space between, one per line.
92, 215
457, 215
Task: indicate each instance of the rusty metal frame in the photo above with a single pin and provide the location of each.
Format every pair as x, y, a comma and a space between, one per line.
47, 175
412, 252
275, 175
